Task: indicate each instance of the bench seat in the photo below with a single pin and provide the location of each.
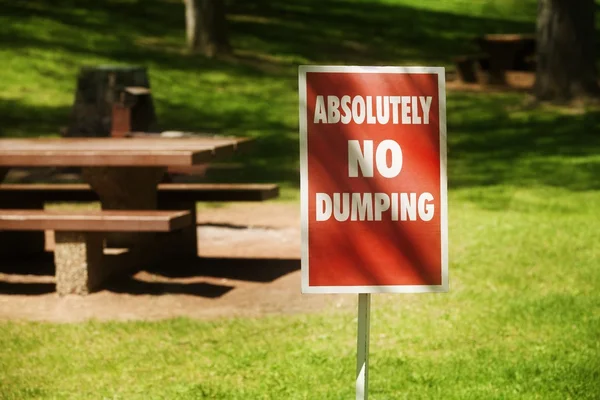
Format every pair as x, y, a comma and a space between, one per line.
167, 192
94, 221
80, 237
171, 196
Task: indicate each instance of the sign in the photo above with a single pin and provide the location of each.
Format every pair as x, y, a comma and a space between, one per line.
373, 179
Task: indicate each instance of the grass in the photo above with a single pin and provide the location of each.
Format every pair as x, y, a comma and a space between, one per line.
522, 319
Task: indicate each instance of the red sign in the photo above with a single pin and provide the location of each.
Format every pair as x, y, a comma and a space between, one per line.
373, 179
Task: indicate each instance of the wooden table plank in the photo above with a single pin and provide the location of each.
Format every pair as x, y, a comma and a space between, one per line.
107, 158
94, 221
140, 143
510, 37
114, 151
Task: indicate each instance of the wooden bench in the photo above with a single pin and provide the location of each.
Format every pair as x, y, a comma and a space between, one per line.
506, 52
468, 67
79, 240
501, 53
171, 196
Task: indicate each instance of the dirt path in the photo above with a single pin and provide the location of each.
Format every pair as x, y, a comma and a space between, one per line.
249, 266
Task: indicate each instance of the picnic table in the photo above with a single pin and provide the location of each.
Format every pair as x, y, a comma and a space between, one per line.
123, 172
503, 51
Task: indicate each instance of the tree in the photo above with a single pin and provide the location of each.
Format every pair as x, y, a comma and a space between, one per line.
206, 27
566, 50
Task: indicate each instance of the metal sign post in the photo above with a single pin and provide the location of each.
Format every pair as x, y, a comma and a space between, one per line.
362, 354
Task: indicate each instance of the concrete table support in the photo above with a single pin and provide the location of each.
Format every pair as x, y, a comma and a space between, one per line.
83, 265
78, 258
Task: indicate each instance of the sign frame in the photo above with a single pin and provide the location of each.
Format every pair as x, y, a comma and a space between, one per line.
304, 192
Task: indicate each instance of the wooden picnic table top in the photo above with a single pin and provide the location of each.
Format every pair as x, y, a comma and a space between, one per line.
508, 37
139, 151
95, 220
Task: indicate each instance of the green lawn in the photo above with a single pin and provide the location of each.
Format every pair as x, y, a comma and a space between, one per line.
522, 319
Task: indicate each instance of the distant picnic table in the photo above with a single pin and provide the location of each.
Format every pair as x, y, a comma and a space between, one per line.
499, 53
504, 51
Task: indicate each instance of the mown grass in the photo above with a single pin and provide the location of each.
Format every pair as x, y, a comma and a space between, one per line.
522, 319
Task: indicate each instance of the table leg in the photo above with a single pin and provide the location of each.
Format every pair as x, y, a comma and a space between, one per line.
497, 73
502, 54
125, 188
184, 242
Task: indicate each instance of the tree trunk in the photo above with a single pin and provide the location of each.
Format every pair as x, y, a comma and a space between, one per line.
206, 27
566, 50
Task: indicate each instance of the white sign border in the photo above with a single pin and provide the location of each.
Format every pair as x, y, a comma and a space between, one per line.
306, 288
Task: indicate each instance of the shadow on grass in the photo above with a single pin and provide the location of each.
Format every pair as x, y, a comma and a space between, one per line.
346, 31
343, 31
25, 120
490, 145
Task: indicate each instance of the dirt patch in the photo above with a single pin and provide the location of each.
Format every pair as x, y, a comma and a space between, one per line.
248, 266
